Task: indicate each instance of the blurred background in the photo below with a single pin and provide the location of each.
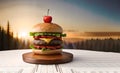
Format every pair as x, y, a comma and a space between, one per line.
89, 24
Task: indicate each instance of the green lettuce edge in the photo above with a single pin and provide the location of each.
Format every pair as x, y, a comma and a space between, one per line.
48, 34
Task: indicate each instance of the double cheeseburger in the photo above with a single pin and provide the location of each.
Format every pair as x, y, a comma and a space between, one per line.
47, 37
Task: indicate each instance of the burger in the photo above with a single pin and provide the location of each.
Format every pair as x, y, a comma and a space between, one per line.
47, 37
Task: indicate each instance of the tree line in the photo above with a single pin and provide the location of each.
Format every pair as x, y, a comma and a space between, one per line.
107, 45
8, 41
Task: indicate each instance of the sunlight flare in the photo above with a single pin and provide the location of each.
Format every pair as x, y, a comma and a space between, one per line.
23, 35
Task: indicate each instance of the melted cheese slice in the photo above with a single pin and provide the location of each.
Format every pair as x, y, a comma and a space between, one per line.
46, 39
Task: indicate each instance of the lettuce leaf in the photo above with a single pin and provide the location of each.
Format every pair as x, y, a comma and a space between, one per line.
47, 34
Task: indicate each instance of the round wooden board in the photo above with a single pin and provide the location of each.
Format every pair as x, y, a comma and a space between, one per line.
32, 58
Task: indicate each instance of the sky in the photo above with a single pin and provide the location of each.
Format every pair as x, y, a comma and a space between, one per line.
73, 15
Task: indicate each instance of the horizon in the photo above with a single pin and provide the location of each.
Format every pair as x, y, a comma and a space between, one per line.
71, 34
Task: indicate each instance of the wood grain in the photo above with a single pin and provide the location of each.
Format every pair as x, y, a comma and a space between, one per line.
32, 58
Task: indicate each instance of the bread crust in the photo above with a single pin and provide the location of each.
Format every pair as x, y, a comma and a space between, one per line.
47, 27
47, 52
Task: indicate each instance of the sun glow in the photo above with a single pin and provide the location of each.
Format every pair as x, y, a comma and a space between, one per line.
22, 34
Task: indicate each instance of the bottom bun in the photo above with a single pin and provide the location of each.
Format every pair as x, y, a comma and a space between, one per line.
58, 51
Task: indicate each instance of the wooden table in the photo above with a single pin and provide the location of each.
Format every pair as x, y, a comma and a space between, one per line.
83, 62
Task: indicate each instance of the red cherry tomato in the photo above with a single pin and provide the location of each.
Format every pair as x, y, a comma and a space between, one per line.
47, 19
